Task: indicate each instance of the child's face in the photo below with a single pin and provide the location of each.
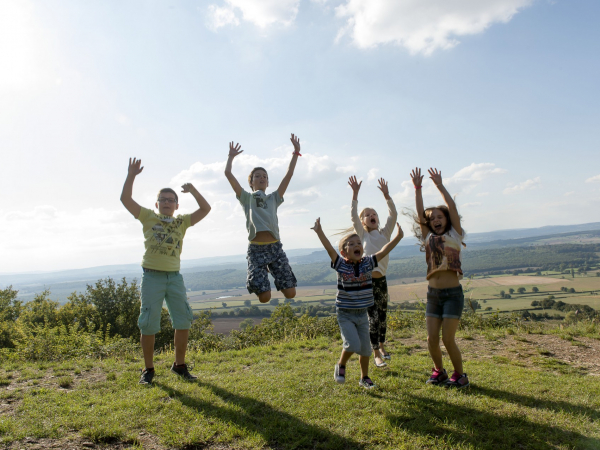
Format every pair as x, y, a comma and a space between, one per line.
260, 180
438, 221
353, 250
167, 204
370, 219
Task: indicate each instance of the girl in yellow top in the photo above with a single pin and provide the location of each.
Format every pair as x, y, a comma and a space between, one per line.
441, 235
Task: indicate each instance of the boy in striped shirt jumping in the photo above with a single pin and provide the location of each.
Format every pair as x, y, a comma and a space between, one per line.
354, 297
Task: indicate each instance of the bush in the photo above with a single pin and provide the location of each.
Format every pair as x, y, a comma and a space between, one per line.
534, 289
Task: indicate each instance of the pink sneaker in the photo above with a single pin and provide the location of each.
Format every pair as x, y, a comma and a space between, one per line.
437, 376
458, 381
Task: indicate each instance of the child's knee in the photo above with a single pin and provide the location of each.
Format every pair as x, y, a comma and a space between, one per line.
264, 297
289, 293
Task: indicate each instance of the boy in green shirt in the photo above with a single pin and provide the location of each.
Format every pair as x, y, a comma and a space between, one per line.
161, 280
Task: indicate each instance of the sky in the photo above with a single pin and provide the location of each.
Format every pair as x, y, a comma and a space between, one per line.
501, 96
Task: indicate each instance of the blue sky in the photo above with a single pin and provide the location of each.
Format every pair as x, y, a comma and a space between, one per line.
501, 95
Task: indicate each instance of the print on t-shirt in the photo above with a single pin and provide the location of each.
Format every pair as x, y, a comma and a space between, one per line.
442, 253
260, 201
167, 236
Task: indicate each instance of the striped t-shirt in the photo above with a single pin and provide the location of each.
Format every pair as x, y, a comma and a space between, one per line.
355, 285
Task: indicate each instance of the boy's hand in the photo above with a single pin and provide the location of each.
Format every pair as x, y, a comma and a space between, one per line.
134, 167
417, 178
383, 187
296, 143
188, 187
435, 176
317, 226
234, 150
354, 184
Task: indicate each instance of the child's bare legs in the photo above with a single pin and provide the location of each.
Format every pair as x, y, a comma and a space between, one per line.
382, 349
265, 297
433, 341
364, 366
449, 327
378, 356
147, 343
181, 342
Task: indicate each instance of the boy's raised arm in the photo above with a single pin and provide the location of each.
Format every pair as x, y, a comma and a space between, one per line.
126, 195
234, 150
390, 245
330, 250
436, 177
288, 176
204, 209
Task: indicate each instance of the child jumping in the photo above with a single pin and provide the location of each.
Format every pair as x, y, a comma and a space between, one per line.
265, 252
161, 279
366, 226
354, 297
441, 236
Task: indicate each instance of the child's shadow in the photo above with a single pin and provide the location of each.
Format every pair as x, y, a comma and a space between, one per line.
278, 428
485, 429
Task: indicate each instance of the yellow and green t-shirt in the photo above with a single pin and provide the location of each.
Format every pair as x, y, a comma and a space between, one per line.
163, 239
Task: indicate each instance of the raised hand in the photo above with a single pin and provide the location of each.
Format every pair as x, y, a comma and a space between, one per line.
134, 167
234, 150
317, 226
417, 178
354, 184
296, 143
188, 187
383, 187
400, 234
435, 176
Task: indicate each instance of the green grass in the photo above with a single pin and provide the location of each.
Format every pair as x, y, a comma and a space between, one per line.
283, 396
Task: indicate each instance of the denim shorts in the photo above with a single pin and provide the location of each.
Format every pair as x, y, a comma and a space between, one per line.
167, 286
354, 328
445, 303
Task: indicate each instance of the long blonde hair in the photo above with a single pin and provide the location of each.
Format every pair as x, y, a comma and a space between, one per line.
361, 215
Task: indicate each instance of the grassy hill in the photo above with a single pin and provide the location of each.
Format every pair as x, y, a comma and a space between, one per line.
531, 389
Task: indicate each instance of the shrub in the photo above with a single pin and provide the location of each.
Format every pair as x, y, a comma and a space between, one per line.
534, 289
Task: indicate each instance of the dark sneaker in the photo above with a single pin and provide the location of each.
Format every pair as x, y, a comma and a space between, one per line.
366, 382
339, 374
146, 376
458, 381
183, 372
438, 377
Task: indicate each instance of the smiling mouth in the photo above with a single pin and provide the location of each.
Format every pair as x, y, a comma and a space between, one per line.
357, 252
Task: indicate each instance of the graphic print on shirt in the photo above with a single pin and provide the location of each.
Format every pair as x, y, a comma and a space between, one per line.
260, 201
362, 280
168, 236
442, 253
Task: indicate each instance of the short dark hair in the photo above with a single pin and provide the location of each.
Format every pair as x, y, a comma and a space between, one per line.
252, 174
168, 190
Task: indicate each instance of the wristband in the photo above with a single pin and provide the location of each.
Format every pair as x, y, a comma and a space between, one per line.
297, 153
418, 187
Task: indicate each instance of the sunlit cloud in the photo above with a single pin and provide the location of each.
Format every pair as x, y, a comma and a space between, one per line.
423, 26
594, 179
524, 186
261, 13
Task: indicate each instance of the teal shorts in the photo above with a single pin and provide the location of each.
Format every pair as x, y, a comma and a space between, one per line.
168, 286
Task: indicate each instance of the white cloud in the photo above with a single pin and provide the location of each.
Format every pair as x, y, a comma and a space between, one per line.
221, 16
470, 205
477, 172
483, 194
422, 26
261, 13
372, 174
594, 179
525, 185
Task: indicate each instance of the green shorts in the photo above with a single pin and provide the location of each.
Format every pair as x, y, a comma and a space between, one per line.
168, 286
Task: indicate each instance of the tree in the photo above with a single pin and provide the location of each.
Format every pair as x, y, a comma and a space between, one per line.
248, 303
511, 291
572, 291
274, 301
502, 294
224, 305
521, 290
246, 323
534, 289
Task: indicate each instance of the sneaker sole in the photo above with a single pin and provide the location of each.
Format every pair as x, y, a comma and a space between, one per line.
340, 380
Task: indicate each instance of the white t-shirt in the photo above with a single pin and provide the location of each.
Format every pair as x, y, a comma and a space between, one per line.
261, 212
442, 252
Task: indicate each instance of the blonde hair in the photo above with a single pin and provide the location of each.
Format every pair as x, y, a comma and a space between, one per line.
344, 241
361, 215
252, 174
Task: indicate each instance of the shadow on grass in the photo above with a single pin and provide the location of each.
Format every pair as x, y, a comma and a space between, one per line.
459, 425
279, 429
